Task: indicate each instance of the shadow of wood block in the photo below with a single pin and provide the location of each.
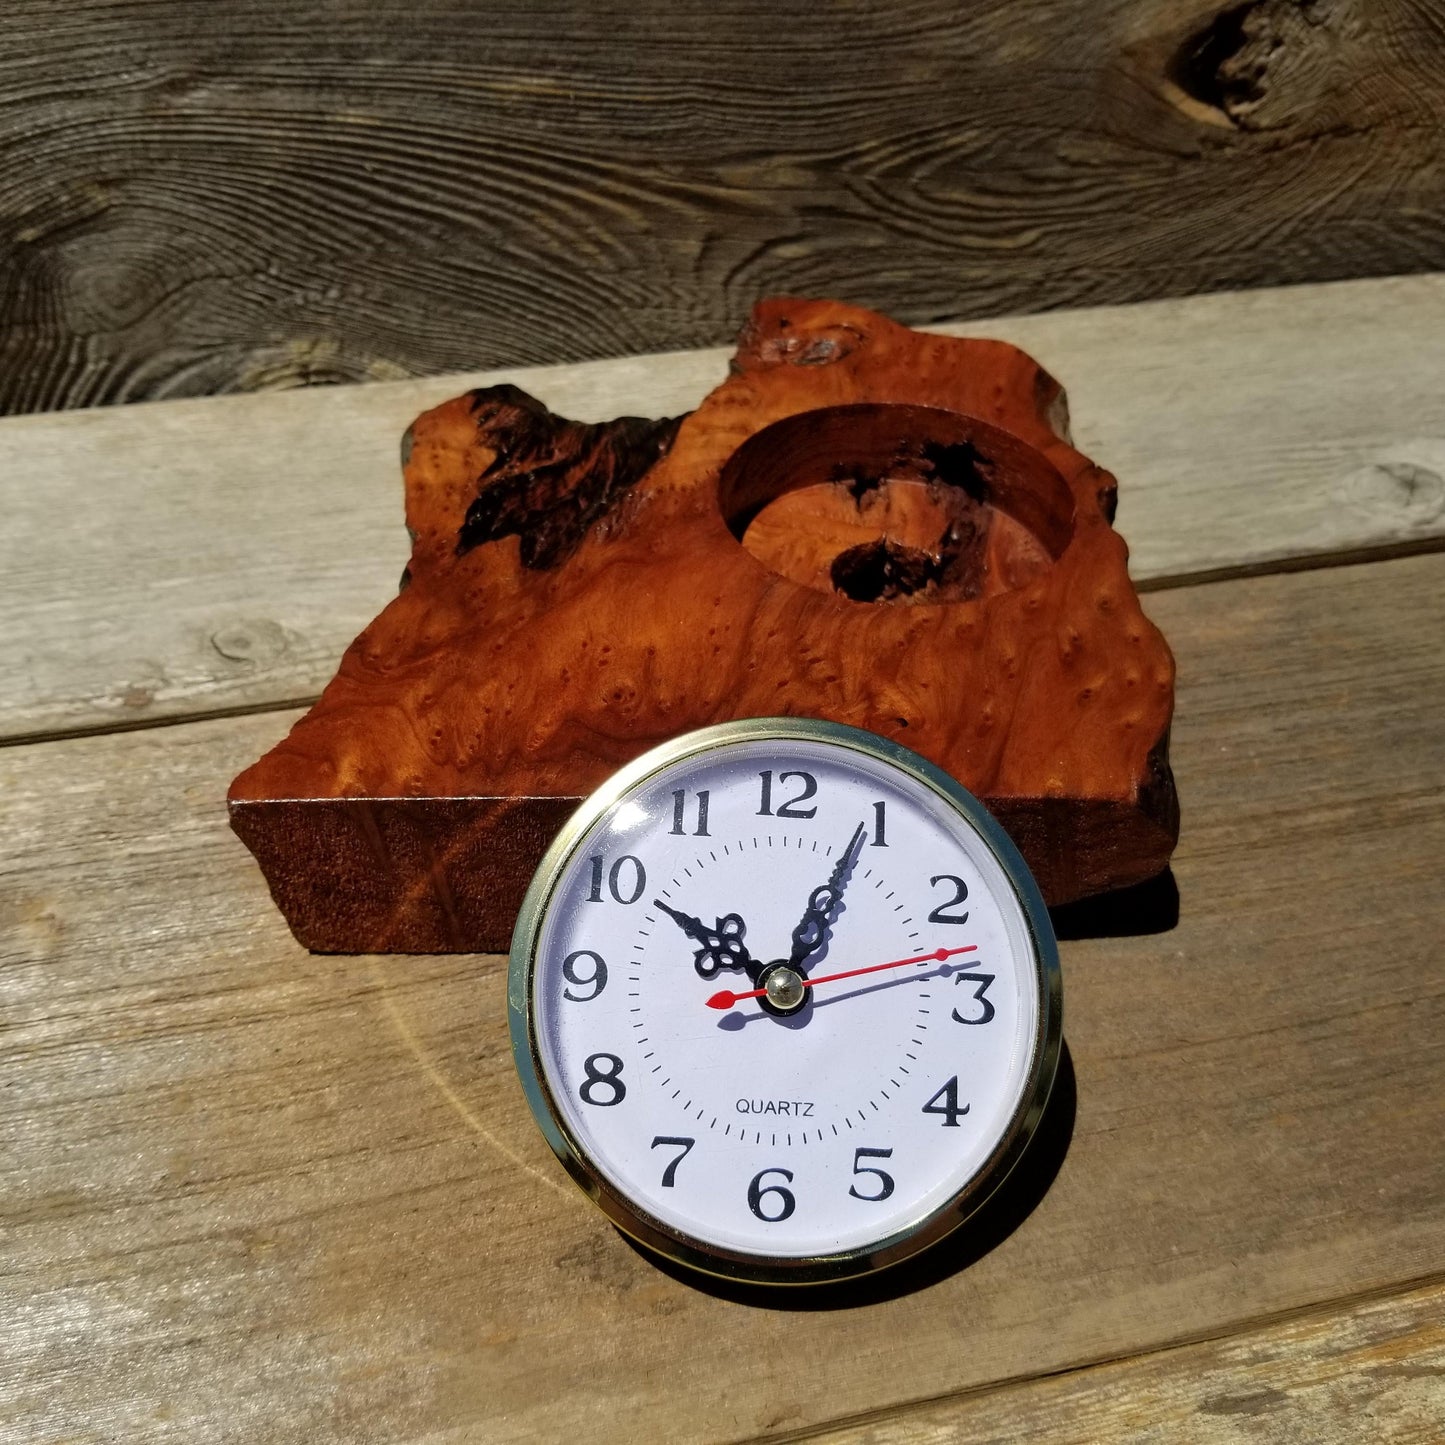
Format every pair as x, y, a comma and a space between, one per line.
862, 522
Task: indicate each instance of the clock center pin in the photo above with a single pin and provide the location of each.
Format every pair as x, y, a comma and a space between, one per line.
783, 988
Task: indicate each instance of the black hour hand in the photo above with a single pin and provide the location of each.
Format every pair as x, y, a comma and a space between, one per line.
812, 929
722, 946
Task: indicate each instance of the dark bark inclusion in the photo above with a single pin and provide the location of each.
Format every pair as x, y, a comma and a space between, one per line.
551, 479
883, 569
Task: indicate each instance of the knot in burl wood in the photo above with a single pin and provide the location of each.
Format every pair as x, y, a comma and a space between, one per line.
862, 522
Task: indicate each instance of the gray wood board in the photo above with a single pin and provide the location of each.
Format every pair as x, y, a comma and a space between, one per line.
247, 1193
218, 555
251, 194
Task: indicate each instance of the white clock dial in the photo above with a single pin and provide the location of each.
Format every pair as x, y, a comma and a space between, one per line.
785, 1000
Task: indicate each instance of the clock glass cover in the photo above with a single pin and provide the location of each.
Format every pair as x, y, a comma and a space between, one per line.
785, 1001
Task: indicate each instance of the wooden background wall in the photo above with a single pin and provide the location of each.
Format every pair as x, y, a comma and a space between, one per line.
224, 195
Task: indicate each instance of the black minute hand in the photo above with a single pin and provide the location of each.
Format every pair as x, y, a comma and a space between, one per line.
722, 947
808, 936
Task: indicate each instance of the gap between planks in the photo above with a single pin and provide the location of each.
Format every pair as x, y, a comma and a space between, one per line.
141, 725
1345, 557
1028, 1404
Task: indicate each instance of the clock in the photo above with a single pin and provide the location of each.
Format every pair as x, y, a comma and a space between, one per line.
785, 1001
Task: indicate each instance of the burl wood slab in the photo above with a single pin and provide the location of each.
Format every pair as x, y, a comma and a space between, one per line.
862, 522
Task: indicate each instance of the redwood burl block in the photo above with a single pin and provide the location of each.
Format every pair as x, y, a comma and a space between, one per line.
862, 522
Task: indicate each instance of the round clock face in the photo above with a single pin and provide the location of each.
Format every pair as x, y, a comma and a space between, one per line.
785, 1001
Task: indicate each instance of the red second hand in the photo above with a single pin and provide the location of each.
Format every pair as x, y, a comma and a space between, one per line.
726, 998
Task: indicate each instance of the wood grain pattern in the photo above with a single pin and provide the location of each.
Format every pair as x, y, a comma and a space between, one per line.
199, 199
578, 594
249, 1193
1372, 1370
227, 550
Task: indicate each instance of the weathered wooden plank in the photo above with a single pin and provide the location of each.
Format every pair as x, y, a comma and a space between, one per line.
216, 555
1261, 428
251, 1193
1373, 1370
220, 198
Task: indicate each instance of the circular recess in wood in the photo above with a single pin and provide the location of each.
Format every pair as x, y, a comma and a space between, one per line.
888, 502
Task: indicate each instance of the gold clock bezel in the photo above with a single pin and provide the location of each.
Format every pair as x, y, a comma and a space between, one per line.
624, 1212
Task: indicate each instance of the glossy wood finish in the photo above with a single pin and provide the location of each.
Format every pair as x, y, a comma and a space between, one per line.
934, 562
